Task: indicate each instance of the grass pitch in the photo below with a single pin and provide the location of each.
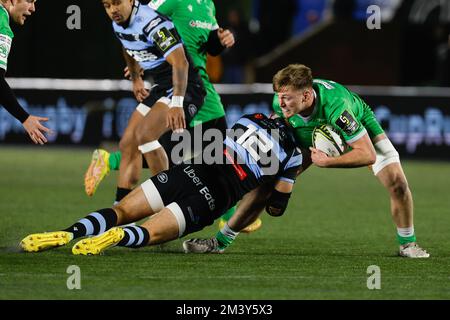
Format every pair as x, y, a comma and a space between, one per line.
338, 224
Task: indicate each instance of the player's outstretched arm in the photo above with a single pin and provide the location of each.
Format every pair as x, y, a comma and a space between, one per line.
250, 207
180, 66
35, 129
279, 198
31, 124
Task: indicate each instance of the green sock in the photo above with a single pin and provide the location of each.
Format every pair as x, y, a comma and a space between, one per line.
114, 160
226, 236
405, 240
227, 215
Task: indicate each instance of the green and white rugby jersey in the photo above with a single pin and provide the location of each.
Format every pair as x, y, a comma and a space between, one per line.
6, 36
335, 105
194, 20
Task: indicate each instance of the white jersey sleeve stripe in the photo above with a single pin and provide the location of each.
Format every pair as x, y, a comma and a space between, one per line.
5, 47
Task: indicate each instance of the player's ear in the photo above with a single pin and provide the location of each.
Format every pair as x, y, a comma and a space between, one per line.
307, 93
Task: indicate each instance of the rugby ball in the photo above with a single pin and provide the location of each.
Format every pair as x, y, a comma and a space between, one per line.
326, 139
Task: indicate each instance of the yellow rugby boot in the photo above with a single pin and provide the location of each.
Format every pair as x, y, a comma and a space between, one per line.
97, 244
248, 229
98, 169
253, 227
42, 241
221, 224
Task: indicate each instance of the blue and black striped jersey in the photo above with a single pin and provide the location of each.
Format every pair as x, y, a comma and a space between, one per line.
257, 150
149, 38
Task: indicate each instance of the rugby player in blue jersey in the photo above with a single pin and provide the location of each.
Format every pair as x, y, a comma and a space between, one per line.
188, 197
151, 42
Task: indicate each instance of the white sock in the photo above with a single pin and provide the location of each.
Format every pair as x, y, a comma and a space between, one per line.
405, 232
228, 232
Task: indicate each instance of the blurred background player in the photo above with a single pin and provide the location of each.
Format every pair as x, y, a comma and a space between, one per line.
18, 11
189, 197
200, 38
151, 43
307, 103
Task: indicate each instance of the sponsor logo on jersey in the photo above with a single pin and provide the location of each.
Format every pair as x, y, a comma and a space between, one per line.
3, 51
142, 55
192, 109
190, 172
162, 177
201, 24
5, 39
5, 45
347, 123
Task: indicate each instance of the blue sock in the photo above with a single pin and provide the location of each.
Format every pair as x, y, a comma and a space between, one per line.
135, 237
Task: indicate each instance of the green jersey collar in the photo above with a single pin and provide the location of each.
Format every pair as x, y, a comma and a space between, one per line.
3, 7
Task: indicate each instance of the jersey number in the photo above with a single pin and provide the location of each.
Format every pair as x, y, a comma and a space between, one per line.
252, 138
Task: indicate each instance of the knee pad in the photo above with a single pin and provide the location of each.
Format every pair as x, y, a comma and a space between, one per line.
149, 146
386, 154
143, 109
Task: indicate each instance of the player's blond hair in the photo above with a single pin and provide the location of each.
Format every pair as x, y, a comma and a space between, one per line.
296, 76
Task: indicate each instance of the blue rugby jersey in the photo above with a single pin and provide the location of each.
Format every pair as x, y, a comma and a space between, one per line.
256, 150
149, 38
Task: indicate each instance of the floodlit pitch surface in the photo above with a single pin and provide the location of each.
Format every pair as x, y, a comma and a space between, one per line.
338, 224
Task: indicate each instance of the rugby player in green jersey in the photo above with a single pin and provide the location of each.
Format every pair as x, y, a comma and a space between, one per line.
18, 11
197, 25
306, 103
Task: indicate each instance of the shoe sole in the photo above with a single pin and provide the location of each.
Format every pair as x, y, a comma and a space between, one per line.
43, 241
91, 188
96, 245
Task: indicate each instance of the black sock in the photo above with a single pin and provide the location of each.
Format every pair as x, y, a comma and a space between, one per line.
135, 237
93, 224
122, 193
